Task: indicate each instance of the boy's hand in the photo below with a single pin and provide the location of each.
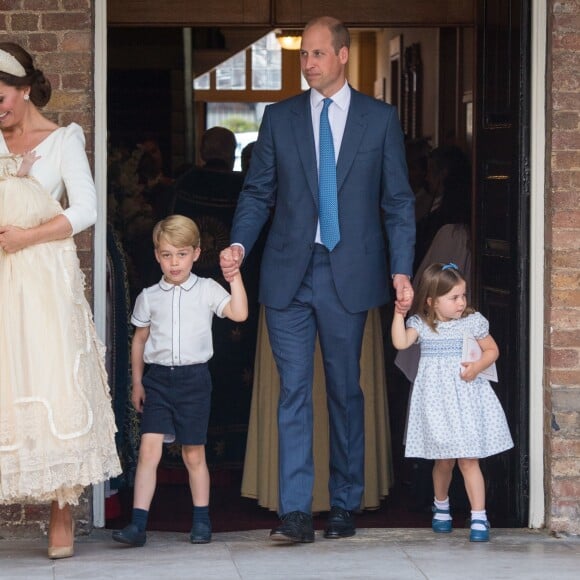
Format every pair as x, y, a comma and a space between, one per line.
230, 261
138, 397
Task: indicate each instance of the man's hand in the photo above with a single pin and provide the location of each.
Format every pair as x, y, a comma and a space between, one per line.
404, 293
230, 261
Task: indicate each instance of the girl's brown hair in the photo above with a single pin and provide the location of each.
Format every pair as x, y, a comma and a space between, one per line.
437, 280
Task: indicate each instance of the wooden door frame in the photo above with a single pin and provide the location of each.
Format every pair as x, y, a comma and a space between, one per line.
100, 233
538, 84
536, 517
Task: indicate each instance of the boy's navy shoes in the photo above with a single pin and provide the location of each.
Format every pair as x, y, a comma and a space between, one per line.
340, 524
200, 533
130, 535
295, 527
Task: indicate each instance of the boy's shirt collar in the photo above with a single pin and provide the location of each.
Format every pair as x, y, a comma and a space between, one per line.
187, 285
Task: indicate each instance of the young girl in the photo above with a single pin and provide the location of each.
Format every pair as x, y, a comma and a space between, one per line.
454, 413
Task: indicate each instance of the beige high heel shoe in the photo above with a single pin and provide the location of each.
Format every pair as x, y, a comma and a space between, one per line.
58, 552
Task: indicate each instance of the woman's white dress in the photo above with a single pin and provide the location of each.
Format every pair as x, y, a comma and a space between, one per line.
57, 426
449, 417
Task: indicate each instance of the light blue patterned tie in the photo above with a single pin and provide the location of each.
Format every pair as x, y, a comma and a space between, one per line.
327, 197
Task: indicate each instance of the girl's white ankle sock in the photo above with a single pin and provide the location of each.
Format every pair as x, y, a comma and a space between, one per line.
478, 515
442, 505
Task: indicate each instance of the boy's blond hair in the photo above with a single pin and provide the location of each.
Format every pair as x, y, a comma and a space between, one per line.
178, 230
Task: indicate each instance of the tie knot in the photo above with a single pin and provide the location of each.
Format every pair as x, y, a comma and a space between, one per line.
327, 102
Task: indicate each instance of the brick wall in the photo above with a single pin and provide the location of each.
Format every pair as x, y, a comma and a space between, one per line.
562, 336
59, 34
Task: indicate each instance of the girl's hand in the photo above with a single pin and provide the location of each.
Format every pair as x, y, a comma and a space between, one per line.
138, 397
404, 293
469, 372
489, 354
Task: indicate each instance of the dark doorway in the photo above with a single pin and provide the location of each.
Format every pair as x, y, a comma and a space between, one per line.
500, 222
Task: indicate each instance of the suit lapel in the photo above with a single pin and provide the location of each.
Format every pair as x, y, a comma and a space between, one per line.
356, 124
302, 127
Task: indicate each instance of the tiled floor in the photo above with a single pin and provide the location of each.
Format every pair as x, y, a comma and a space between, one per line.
399, 554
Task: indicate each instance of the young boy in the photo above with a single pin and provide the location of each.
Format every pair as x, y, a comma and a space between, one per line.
173, 336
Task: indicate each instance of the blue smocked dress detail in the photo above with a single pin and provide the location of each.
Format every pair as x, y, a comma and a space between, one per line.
449, 417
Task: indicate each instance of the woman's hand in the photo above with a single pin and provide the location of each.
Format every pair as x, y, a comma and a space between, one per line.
13, 239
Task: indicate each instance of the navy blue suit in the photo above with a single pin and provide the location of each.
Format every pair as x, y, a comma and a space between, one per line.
307, 290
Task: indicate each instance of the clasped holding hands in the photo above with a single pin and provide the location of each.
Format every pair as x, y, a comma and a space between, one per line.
404, 293
230, 261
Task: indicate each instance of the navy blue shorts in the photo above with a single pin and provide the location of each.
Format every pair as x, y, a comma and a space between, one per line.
177, 402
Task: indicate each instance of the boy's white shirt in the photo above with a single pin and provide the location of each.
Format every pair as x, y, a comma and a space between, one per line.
180, 319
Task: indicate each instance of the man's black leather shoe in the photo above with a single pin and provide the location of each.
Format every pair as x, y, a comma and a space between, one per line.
295, 527
200, 533
130, 535
340, 524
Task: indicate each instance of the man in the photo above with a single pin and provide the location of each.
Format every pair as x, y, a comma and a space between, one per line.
218, 149
322, 274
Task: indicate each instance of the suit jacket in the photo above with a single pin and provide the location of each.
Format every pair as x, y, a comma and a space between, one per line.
374, 197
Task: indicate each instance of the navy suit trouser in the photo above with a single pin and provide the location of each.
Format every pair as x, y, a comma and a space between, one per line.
316, 308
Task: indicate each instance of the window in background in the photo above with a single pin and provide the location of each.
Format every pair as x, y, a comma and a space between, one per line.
231, 74
202, 82
267, 64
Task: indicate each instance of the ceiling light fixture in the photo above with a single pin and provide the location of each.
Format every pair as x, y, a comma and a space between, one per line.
289, 39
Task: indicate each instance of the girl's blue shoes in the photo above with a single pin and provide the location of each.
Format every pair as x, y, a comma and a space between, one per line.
441, 526
479, 535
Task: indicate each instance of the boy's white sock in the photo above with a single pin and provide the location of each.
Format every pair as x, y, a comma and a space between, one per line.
478, 515
442, 505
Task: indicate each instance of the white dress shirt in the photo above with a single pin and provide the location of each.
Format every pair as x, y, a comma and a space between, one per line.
180, 320
337, 114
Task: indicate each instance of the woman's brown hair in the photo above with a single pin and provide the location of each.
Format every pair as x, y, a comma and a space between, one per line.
40, 89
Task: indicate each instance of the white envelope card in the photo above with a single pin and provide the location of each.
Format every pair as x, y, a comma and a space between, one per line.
472, 352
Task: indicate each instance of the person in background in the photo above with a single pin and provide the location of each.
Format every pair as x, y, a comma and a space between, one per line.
57, 426
454, 414
218, 149
417, 157
173, 336
325, 262
214, 180
247, 156
449, 183
157, 188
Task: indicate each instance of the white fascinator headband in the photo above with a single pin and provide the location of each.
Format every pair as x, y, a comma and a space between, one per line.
9, 64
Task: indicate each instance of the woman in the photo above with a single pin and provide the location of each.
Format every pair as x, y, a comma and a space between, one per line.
449, 183
56, 423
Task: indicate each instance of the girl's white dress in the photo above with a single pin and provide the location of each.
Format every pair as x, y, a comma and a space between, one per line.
449, 417
57, 426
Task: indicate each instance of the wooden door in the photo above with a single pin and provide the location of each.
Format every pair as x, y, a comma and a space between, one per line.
501, 226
